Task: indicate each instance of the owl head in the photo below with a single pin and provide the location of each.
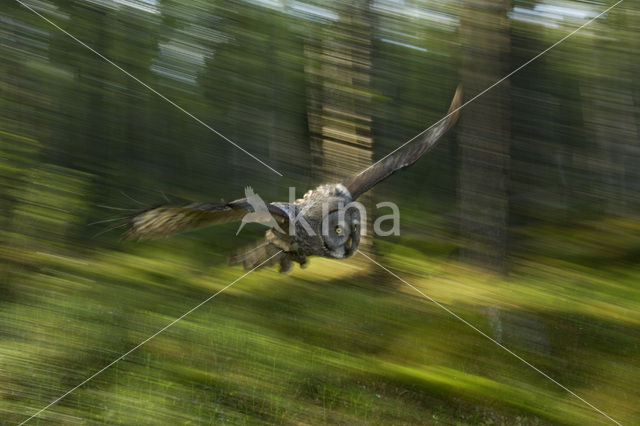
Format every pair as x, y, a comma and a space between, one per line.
341, 232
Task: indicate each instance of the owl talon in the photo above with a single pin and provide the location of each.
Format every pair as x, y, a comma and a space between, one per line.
285, 264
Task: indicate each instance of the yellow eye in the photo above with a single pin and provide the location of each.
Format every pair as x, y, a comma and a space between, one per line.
338, 230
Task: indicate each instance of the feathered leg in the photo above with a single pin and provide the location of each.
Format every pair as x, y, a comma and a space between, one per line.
251, 257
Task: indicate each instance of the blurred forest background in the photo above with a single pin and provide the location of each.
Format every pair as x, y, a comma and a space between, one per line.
524, 220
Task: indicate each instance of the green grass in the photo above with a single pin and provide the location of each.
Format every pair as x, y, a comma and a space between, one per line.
340, 342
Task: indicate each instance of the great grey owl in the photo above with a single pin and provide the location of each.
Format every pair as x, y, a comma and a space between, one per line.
322, 223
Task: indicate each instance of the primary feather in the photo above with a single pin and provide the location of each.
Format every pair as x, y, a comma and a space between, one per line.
405, 156
166, 220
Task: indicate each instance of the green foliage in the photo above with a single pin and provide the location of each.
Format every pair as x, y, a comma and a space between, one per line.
332, 343
340, 342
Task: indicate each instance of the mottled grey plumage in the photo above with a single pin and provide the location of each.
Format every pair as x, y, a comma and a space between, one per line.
330, 225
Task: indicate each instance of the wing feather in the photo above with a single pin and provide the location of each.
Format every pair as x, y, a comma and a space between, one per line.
166, 220
405, 156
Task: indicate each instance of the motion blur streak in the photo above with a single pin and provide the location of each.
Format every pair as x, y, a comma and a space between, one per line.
501, 80
524, 220
147, 339
154, 91
482, 333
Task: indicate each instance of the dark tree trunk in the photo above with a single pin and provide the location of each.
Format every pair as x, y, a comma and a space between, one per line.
484, 133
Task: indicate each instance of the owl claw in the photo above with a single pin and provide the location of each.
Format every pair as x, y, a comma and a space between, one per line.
285, 264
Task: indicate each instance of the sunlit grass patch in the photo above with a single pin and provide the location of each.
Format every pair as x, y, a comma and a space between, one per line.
340, 341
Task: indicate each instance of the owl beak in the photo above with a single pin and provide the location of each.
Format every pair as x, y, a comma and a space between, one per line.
348, 247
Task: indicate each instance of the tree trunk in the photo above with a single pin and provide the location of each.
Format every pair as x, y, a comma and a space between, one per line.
484, 133
338, 66
609, 116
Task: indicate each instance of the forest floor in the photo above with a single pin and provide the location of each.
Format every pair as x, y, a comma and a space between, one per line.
340, 342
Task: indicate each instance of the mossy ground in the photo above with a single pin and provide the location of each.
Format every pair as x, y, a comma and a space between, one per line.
340, 342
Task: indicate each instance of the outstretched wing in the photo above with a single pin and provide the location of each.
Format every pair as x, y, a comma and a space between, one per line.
405, 156
166, 220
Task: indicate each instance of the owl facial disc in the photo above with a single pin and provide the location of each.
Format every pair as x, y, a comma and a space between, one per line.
341, 232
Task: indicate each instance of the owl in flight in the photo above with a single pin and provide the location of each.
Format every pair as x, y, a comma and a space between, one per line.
325, 222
